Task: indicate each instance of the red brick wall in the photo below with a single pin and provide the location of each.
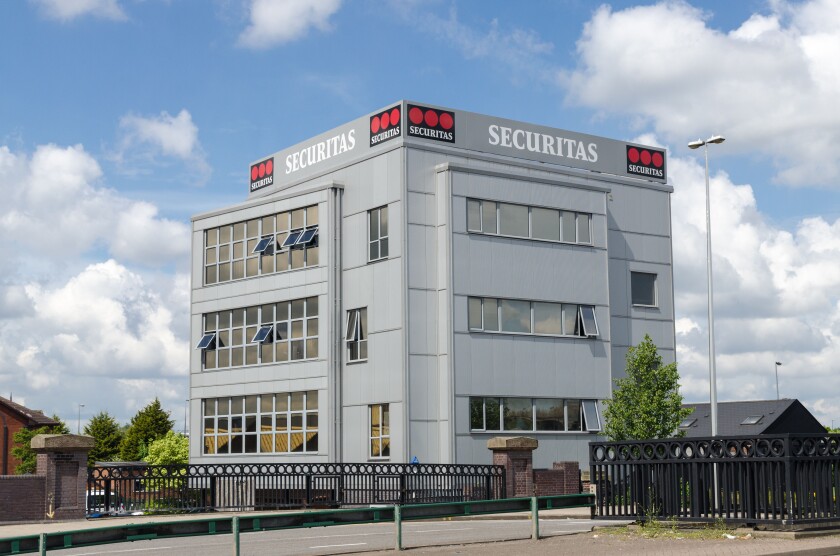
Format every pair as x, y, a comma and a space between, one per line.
519, 474
563, 478
14, 424
22, 498
66, 481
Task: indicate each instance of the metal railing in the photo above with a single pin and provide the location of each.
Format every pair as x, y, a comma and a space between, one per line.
240, 487
787, 479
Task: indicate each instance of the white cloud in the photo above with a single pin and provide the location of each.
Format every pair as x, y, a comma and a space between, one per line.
770, 85
170, 136
777, 295
67, 10
274, 22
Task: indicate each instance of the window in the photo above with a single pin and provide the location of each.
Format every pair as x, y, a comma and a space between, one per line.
356, 335
378, 227
271, 333
274, 243
752, 420
507, 219
488, 314
380, 431
643, 289
261, 424
532, 415
687, 422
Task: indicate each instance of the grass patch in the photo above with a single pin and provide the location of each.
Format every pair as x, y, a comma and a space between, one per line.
670, 529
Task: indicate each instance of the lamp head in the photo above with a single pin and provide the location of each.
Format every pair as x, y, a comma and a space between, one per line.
696, 144
777, 363
716, 139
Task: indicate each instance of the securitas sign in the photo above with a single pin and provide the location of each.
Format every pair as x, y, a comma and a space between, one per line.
431, 123
643, 161
262, 174
385, 126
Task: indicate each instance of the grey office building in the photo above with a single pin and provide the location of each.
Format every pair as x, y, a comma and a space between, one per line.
421, 279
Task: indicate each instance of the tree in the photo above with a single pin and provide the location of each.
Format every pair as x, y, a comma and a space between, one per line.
107, 435
174, 448
647, 402
149, 424
22, 449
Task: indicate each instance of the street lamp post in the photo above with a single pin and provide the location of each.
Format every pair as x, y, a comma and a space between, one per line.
79, 422
777, 379
715, 139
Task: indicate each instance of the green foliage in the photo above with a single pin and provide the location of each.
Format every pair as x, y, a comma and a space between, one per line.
831, 430
107, 435
647, 402
149, 424
22, 449
174, 448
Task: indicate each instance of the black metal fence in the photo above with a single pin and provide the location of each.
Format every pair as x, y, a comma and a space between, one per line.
788, 479
139, 488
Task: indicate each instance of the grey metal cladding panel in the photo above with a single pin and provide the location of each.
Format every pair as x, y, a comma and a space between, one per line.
197, 255
422, 256
422, 319
639, 247
421, 209
375, 286
505, 365
520, 190
640, 210
629, 331
425, 440
501, 267
472, 450
423, 387
263, 289
379, 379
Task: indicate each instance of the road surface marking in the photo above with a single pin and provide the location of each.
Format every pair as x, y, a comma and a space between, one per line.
338, 545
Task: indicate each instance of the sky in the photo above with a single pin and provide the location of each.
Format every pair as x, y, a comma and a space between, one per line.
120, 119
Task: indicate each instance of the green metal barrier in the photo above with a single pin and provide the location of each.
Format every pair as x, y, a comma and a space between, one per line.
237, 525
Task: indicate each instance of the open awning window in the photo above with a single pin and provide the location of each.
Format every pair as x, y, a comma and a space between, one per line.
587, 318
592, 421
263, 335
264, 245
208, 341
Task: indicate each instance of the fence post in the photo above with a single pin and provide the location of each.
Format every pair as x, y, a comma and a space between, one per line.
212, 493
398, 524
402, 488
308, 490
535, 519
107, 495
42, 544
235, 530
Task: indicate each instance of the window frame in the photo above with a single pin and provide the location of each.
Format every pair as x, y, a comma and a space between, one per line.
579, 310
484, 205
357, 334
654, 287
383, 409
378, 240
582, 404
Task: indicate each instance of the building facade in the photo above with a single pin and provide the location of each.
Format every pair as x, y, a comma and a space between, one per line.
420, 279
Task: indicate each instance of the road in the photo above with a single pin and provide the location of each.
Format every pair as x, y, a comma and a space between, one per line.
346, 538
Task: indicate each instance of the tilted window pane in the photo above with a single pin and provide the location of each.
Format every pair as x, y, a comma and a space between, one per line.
475, 313
569, 226
473, 215
583, 229
548, 318
516, 316
513, 220
550, 415
518, 414
590, 326
590, 415
491, 314
643, 288
545, 224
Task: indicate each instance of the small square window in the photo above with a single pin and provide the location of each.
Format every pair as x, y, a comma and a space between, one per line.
643, 289
752, 420
688, 422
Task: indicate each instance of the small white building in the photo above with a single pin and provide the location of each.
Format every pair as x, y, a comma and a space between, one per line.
421, 279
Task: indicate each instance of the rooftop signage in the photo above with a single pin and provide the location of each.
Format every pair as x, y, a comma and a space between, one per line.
416, 124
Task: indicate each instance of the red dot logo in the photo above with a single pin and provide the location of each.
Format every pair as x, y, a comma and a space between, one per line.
269, 166
374, 124
645, 157
262, 169
416, 116
658, 160
255, 172
431, 118
633, 155
386, 120
395, 116
446, 121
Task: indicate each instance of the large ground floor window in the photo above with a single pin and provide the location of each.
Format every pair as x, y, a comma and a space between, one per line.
534, 414
284, 422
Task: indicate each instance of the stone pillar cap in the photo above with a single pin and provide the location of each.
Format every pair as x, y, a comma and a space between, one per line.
512, 443
62, 443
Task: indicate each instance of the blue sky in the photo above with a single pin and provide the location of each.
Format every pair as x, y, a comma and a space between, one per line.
119, 119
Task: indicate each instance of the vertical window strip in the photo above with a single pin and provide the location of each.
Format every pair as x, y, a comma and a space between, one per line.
380, 432
378, 234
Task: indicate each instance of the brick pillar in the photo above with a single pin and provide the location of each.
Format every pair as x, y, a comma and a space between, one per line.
516, 455
62, 460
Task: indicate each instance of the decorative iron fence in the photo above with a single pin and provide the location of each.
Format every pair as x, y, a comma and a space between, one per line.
787, 479
131, 488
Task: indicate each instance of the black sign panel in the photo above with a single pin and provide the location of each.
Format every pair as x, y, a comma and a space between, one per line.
431, 123
385, 126
262, 174
644, 161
